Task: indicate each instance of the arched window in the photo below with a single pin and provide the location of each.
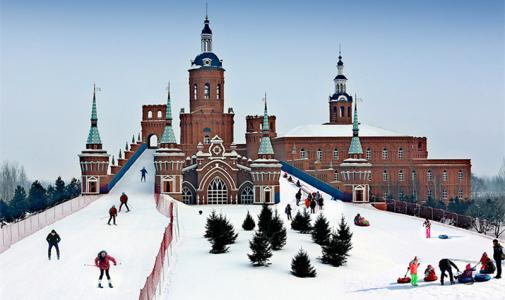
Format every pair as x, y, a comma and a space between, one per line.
400, 175
217, 192
335, 154
385, 153
187, 196
218, 91
413, 175
460, 194
149, 114
303, 154
159, 114
445, 175
460, 175
368, 154
419, 146
429, 195
429, 175
349, 111
385, 176
206, 140
342, 110
195, 91
445, 194
400, 153
319, 154
247, 195
334, 109
206, 93
336, 175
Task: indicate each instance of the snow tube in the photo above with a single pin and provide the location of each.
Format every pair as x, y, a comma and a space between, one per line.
362, 223
431, 278
443, 236
486, 271
482, 277
465, 279
403, 280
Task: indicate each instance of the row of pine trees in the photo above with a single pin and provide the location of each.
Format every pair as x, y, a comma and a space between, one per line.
271, 236
38, 198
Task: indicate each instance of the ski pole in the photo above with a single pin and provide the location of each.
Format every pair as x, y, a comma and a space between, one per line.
89, 265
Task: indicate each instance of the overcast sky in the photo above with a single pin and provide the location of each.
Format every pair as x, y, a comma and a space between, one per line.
430, 68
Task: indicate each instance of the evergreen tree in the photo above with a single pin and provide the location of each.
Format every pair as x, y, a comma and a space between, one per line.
337, 250
264, 219
301, 222
219, 232
59, 191
50, 193
5, 214
300, 265
277, 233
19, 203
73, 189
261, 250
321, 231
249, 223
133, 139
37, 197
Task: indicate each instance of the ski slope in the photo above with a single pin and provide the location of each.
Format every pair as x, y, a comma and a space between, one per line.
26, 273
379, 256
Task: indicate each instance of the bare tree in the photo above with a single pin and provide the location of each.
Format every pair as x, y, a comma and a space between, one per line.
11, 175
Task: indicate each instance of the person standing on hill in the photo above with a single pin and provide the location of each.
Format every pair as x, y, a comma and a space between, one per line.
313, 206
288, 211
298, 197
102, 262
413, 265
445, 266
53, 239
498, 257
427, 224
112, 215
124, 201
143, 172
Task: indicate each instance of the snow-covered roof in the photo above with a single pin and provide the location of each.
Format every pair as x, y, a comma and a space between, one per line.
338, 130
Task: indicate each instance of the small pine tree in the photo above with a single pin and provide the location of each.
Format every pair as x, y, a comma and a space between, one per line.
249, 223
138, 137
337, 250
119, 156
37, 197
133, 138
277, 233
264, 219
219, 232
126, 146
300, 265
261, 250
295, 223
301, 222
321, 231
19, 203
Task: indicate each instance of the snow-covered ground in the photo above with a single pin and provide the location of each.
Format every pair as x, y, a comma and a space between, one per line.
379, 256
26, 273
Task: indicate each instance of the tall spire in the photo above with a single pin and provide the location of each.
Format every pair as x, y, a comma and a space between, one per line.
168, 136
206, 36
355, 147
94, 141
265, 144
266, 127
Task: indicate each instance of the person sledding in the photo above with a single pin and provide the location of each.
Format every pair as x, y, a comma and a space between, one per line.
112, 215
360, 221
467, 275
413, 266
53, 239
298, 184
285, 175
290, 179
102, 262
487, 265
429, 274
446, 265
124, 201
427, 224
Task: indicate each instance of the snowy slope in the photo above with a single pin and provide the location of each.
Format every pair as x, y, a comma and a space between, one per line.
380, 255
26, 273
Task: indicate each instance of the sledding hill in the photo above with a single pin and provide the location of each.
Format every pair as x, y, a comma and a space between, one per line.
380, 255
26, 273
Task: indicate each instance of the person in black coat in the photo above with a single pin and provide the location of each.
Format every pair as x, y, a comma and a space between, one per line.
53, 239
313, 206
445, 266
298, 197
498, 257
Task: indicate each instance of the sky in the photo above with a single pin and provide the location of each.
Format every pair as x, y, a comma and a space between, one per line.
423, 68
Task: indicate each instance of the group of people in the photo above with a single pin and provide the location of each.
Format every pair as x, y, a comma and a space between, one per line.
446, 266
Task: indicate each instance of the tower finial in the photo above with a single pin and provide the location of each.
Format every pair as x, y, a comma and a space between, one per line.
339, 50
168, 115
206, 11
168, 89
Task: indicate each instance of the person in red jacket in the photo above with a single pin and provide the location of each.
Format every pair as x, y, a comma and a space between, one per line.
102, 262
484, 261
112, 214
124, 199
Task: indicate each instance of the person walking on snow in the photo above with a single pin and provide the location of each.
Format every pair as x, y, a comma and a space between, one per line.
498, 257
124, 201
313, 206
143, 172
298, 197
112, 215
427, 224
102, 262
53, 239
288, 211
413, 265
445, 266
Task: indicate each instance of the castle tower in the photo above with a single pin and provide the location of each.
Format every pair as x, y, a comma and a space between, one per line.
340, 103
94, 161
206, 117
266, 170
254, 132
168, 160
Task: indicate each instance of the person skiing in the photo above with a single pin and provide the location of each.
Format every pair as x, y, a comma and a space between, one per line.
427, 224
288, 211
498, 257
143, 173
313, 206
298, 197
413, 265
102, 262
124, 201
112, 215
445, 266
53, 239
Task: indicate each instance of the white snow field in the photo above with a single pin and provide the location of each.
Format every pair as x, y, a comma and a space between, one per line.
26, 273
379, 256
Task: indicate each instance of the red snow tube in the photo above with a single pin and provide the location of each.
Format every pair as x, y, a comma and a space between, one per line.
430, 278
362, 223
403, 280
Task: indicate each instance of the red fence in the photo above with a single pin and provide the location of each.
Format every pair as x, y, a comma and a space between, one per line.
153, 281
